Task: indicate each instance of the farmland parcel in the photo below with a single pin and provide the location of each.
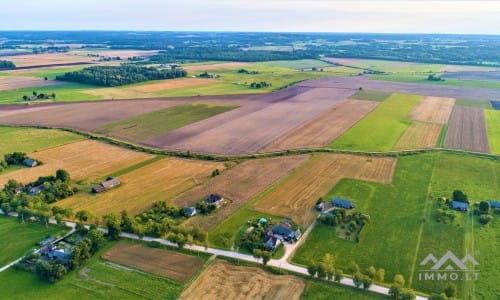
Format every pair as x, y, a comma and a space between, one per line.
467, 130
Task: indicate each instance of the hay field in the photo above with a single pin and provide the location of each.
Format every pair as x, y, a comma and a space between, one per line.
217, 66
117, 93
325, 128
173, 265
433, 109
240, 185
419, 135
223, 280
86, 159
296, 197
159, 181
171, 84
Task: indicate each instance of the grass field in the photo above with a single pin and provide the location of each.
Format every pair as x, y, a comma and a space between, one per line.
84, 160
29, 140
241, 282
50, 73
389, 66
297, 64
162, 121
18, 239
370, 95
159, 181
173, 265
422, 78
64, 92
486, 104
492, 118
382, 128
98, 279
390, 240
320, 290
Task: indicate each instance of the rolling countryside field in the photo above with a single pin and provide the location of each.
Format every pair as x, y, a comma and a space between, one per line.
380, 129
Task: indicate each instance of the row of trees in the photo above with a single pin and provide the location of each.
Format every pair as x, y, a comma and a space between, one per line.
6, 64
39, 96
258, 85
120, 75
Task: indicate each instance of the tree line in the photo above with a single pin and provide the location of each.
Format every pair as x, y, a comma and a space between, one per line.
6, 64
120, 75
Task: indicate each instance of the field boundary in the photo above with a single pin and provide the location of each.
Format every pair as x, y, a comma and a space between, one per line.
202, 156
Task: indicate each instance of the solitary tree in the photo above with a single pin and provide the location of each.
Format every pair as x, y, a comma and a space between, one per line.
63, 175
484, 206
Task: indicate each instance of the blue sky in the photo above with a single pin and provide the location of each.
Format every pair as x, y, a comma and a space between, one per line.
427, 16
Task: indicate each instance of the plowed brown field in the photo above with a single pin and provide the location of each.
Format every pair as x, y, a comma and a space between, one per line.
295, 199
239, 185
419, 135
223, 280
174, 265
83, 160
325, 128
433, 110
467, 130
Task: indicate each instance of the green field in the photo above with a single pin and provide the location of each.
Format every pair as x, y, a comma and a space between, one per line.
29, 140
382, 128
485, 104
98, 279
297, 64
395, 66
318, 290
493, 127
64, 92
422, 78
51, 73
162, 121
19, 239
370, 95
390, 240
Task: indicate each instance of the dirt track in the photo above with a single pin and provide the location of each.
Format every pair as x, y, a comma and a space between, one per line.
324, 129
467, 130
223, 280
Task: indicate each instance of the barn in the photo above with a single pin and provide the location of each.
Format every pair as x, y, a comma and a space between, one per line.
343, 203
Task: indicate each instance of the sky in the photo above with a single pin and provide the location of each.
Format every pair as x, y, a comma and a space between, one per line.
396, 16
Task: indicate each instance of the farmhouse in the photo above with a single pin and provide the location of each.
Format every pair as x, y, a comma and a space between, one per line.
462, 206
30, 162
53, 253
214, 199
339, 202
36, 190
284, 232
106, 185
494, 204
320, 206
272, 242
189, 211
46, 241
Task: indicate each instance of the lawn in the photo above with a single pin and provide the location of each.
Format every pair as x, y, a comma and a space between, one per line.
493, 128
19, 239
370, 95
162, 121
422, 78
97, 280
390, 240
382, 128
30, 140
64, 92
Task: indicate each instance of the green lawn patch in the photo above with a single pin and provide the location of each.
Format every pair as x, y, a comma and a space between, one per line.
382, 128
162, 121
395, 210
27, 140
370, 95
19, 239
473, 103
98, 279
492, 118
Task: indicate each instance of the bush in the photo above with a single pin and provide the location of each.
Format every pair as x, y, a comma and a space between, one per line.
485, 219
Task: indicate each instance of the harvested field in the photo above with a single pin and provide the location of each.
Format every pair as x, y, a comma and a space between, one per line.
19, 82
86, 159
295, 199
117, 93
419, 135
171, 84
47, 59
173, 265
139, 189
467, 130
82, 116
240, 185
249, 130
325, 128
207, 67
433, 109
222, 280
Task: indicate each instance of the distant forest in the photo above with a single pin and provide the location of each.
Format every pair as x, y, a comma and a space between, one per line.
252, 46
119, 75
5, 64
